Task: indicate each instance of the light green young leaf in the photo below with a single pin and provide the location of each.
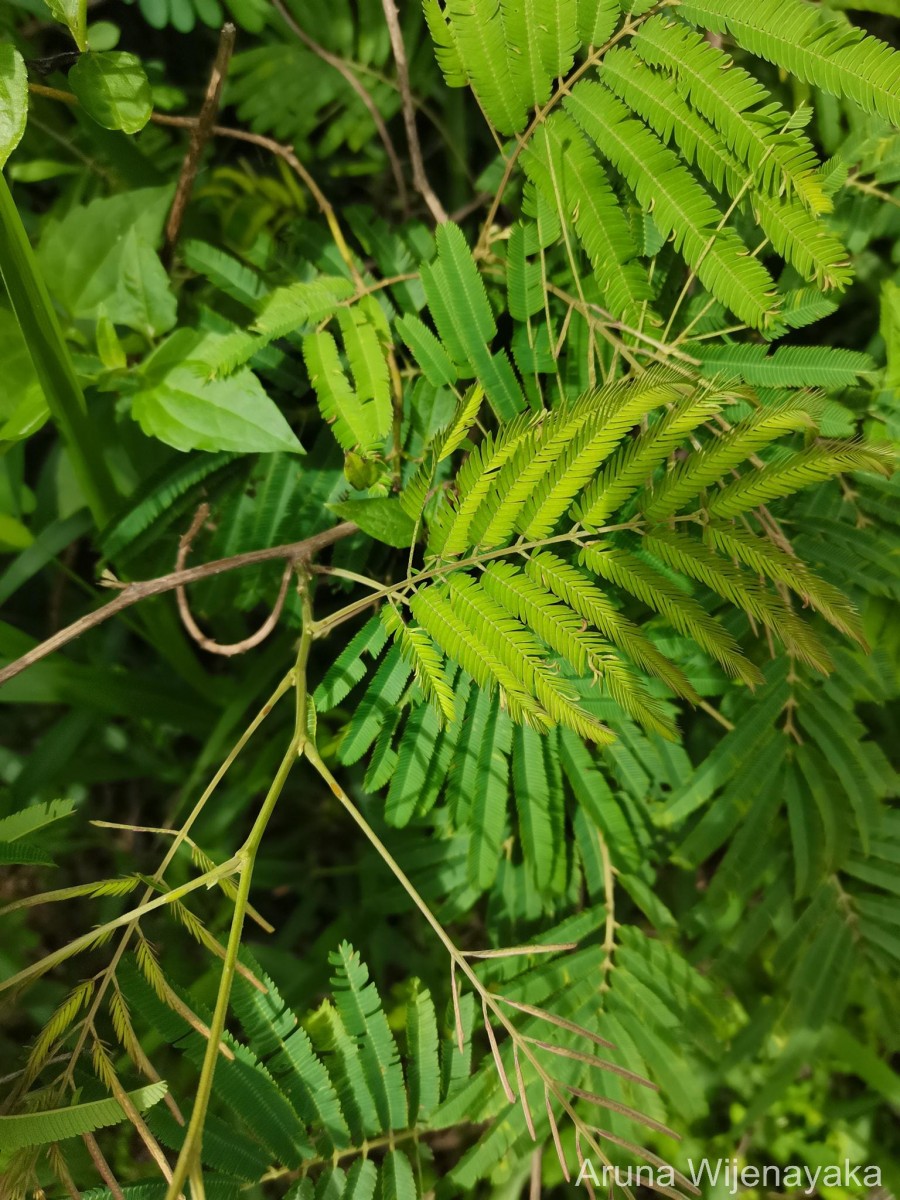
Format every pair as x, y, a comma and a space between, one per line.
13, 100
28, 820
113, 89
184, 408
73, 14
23, 409
188, 412
54, 1125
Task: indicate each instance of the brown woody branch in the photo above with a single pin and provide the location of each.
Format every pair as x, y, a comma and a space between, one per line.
134, 593
200, 135
420, 179
229, 649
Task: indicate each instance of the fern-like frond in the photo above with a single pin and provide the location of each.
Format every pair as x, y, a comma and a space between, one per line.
563, 629
566, 171
37, 816
616, 411
488, 802
480, 37
414, 496
788, 473
465, 321
360, 416
583, 595
524, 287
698, 561
348, 669
597, 19
681, 611
740, 108
57, 1124
634, 462
714, 462
446, 50
800, 237
474, 482
542, 37
375, 707
428, 351
680, 205
772, 562
360, 1007
826, 367
286, 310
432, 610
515, 647
531, 474
419, 651
813, 45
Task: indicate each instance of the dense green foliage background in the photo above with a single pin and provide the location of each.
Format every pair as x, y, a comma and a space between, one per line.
737, 916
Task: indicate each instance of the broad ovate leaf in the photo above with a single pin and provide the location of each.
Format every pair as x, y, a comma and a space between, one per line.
182, 406
113, 88
13, 100
100, 259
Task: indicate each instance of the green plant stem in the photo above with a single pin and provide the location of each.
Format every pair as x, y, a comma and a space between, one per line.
584, 537
180, 836
457, 958
37, 319
188, 1165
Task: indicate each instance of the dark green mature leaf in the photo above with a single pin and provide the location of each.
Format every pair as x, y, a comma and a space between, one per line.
100, 259
381, 517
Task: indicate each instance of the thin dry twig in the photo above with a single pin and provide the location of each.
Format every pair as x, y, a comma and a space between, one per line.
554, 1129
537, 1158
133, 593
103, 1168
227, 650
523, 1095
201, 134
334, 60
420, 178
495, 1051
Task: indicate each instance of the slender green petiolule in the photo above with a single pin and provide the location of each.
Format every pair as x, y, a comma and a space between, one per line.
37, 319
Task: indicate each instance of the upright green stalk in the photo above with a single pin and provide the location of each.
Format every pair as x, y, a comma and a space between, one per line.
36, 316
188, 1165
